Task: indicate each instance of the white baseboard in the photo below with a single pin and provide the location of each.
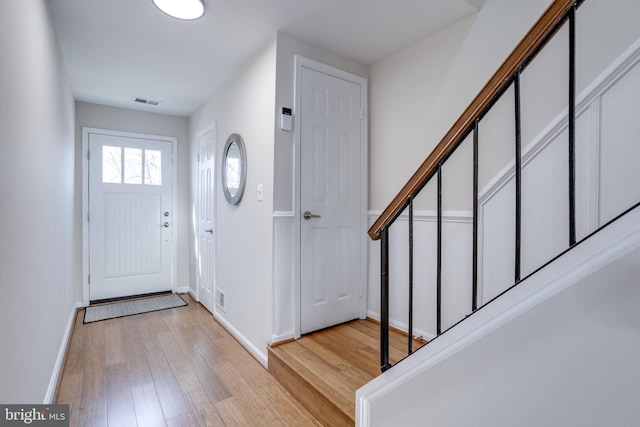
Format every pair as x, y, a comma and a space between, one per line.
248, 345
288, 336
62, 354
402, 326
192, 294
183, 290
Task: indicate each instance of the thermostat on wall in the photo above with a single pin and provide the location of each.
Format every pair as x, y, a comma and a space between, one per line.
285, 119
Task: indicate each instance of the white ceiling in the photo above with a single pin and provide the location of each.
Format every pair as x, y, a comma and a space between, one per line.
116, 50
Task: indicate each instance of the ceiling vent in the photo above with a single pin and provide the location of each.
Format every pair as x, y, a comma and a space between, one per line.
146, 101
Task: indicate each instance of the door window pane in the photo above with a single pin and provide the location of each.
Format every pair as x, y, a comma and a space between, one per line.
132, 166
111, 164
153, 167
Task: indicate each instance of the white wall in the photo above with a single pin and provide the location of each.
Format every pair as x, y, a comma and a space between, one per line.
403, 89
243, 233
605, 28
496, 31
287, 48
121, 119
39, 252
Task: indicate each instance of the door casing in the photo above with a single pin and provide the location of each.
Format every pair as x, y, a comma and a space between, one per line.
300, 63
210, 305
86, 131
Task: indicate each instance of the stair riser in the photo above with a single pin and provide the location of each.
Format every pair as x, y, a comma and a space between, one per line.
315, 402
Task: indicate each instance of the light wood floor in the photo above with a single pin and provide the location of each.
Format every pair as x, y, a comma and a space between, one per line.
175, 367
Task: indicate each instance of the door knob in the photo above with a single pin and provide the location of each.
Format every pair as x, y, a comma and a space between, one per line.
209, 230
308, 215
165, 225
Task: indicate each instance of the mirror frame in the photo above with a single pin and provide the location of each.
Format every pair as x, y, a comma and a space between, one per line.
237, 139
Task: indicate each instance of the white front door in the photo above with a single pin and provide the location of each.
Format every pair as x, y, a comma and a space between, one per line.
331, 229
206, 197
130, 216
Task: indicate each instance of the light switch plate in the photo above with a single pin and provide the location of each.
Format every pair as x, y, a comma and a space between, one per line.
260, 192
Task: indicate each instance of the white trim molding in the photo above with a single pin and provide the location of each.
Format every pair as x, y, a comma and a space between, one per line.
300, 63
56, 375
248, 345
429, 216
211, 127
86, 131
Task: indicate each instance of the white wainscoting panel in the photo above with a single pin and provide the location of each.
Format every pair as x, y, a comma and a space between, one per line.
283, 277
607, 179
619, 145
456, 268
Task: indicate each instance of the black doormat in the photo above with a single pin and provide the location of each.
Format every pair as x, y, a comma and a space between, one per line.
96, 313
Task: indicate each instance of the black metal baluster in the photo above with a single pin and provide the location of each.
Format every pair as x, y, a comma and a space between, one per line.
474, 302
384, 300
518, 175
410, 338
439, 255
572, 126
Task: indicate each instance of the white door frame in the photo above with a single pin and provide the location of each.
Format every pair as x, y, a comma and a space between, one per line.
86, 131
300, 63
202, 132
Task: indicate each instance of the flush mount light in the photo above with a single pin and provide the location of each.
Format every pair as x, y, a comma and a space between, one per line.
181, 9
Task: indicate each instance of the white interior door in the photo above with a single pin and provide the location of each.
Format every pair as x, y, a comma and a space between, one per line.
206, 198
130, 216
330, 200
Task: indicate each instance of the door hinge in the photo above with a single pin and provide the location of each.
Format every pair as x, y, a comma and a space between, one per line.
88, 278
361, 114
87, 216
88, 155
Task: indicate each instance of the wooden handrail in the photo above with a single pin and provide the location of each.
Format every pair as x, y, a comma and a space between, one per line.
529, 44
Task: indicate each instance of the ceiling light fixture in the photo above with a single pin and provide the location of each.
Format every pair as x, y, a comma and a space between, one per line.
181, 9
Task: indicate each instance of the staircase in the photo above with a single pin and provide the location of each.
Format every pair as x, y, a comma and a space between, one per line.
324, 369
549, 259
551, 249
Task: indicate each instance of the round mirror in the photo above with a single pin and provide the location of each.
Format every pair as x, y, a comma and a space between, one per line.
234, 169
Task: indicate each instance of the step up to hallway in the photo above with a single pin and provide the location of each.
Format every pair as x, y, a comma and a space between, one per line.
324, 369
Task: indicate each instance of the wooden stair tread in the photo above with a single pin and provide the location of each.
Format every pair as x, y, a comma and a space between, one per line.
323, 370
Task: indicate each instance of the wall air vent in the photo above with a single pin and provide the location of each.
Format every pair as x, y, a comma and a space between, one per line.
220, 299
146, 101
